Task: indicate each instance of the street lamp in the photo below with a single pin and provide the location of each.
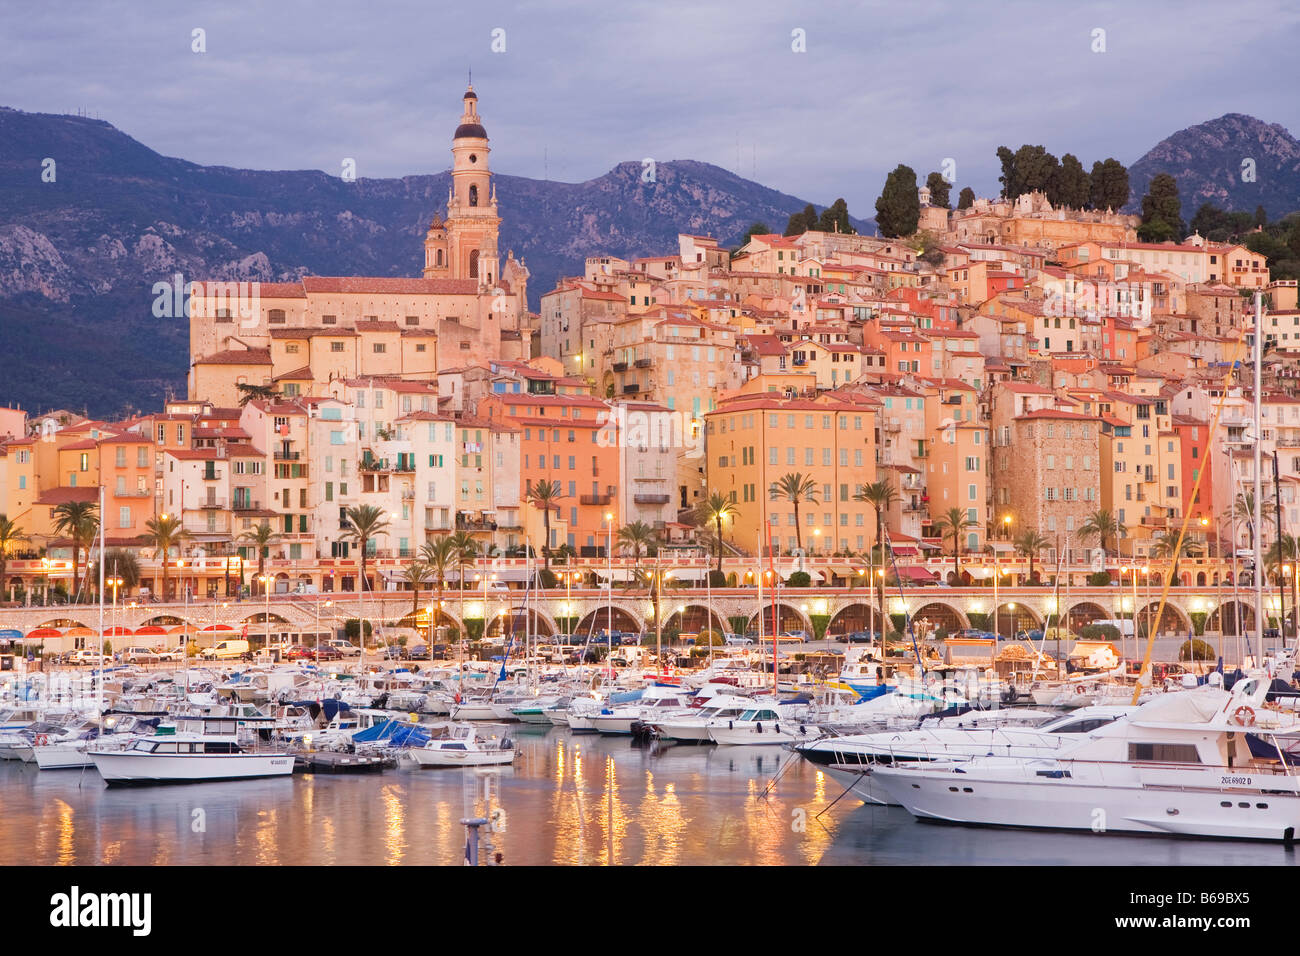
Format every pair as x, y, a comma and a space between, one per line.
266, 580
318, 607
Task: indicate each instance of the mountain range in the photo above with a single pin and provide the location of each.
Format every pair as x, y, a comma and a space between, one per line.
79, 255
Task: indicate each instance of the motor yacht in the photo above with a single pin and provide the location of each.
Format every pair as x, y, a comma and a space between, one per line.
201, 749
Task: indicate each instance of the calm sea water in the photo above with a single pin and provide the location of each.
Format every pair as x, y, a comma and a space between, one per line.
567, 800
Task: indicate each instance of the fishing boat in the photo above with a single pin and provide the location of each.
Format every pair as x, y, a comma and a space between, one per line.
1180, 765
202, 749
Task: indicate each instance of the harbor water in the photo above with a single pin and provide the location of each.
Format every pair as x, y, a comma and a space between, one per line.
568, 799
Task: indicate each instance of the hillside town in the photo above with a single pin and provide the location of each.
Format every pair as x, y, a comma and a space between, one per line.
1036, 393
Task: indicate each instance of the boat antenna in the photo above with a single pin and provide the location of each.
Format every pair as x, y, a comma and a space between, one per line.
892, 558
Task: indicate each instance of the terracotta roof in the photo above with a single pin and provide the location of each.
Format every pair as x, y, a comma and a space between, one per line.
374, 285
237, 357
64, 495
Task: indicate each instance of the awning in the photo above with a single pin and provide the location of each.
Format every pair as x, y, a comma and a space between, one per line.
689, 574
904, 552
617, 574
916, 574
979, 574
1003, 546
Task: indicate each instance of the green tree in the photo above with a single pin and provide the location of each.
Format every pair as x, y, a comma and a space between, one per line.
544, 495
1069, 186
164, 533
79, 520
365, 523
10, 535
757, 229
439, 556
1108, 186
716, 508
261, 538
1102, 525
639, 537
249, 392
1028, 169
795, 487
939, 189
415, 574
954, 521
881, 495
898, 209
118, 563
1243, 512
835, 218
1030, 544
801, 222
1166, 547
1161, 211
966, 198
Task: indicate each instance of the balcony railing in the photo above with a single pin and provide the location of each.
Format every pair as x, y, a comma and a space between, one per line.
212, 504
631, 388
595, 499
288, 455
642, 363
620, 366
469, 524
652, 499
244, 504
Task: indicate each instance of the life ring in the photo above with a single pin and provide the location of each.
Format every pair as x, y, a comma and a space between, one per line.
1244, 716
42, 740
1081, 689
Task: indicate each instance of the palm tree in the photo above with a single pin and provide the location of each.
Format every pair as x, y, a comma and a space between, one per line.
118, 563
79, 520
439, 556
364, 523
415, 574
795, 487
1029, 544
1166, 546
544, 495
1102, 525
954, 521
1280, 552
10, 535
638, 536
880, 495
565, 553
1243, 512
715, 508
261, 537
164, 533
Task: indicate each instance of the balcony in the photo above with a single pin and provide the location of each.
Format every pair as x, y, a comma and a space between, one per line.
652, 499
642, 363
619, 366
595, 499
133, 493
244, 504
631, 388
211, 475
212, 504
469, 524
288, 455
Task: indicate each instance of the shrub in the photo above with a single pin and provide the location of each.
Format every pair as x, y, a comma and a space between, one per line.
547, 579
352, 628
717, 579
1099, 632
1196, 650
1099, 579
800, 579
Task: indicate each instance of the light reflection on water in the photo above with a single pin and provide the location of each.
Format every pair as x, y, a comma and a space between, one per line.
568, 799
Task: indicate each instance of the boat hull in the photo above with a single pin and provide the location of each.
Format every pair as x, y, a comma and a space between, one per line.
460, 758
1059, 804
61, 758
127, 767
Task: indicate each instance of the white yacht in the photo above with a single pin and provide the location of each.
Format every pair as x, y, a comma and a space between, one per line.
464, 745
1180, 765
655, 700
764, 725
692, 725
849, 759
201, 749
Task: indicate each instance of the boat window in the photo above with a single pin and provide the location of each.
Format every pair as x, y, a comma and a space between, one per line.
1082, 726
1164, 753
453, 746
165, 748
748, 715
767, 715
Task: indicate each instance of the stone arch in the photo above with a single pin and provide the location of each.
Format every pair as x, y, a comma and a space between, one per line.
61, 622
788, 617
1174, 619
1200, 579
1016, 616
517, 620
1223, 618
940, 614
694, 618
858, 616
598, 619
1084, 613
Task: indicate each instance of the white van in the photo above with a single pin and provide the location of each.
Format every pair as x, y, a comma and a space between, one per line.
224, 650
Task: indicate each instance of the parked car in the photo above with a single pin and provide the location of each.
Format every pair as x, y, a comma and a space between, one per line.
225, 650
84, 656
737, 640
176, 653
326, 653
298, 652
141, 655
417, 652
345, 648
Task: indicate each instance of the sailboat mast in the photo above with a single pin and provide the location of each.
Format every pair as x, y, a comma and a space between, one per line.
99, 683
1259, 484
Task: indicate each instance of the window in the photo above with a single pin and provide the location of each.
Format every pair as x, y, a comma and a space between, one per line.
1164, 753
336, 346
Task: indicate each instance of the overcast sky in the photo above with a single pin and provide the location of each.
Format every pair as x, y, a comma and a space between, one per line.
581, 86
